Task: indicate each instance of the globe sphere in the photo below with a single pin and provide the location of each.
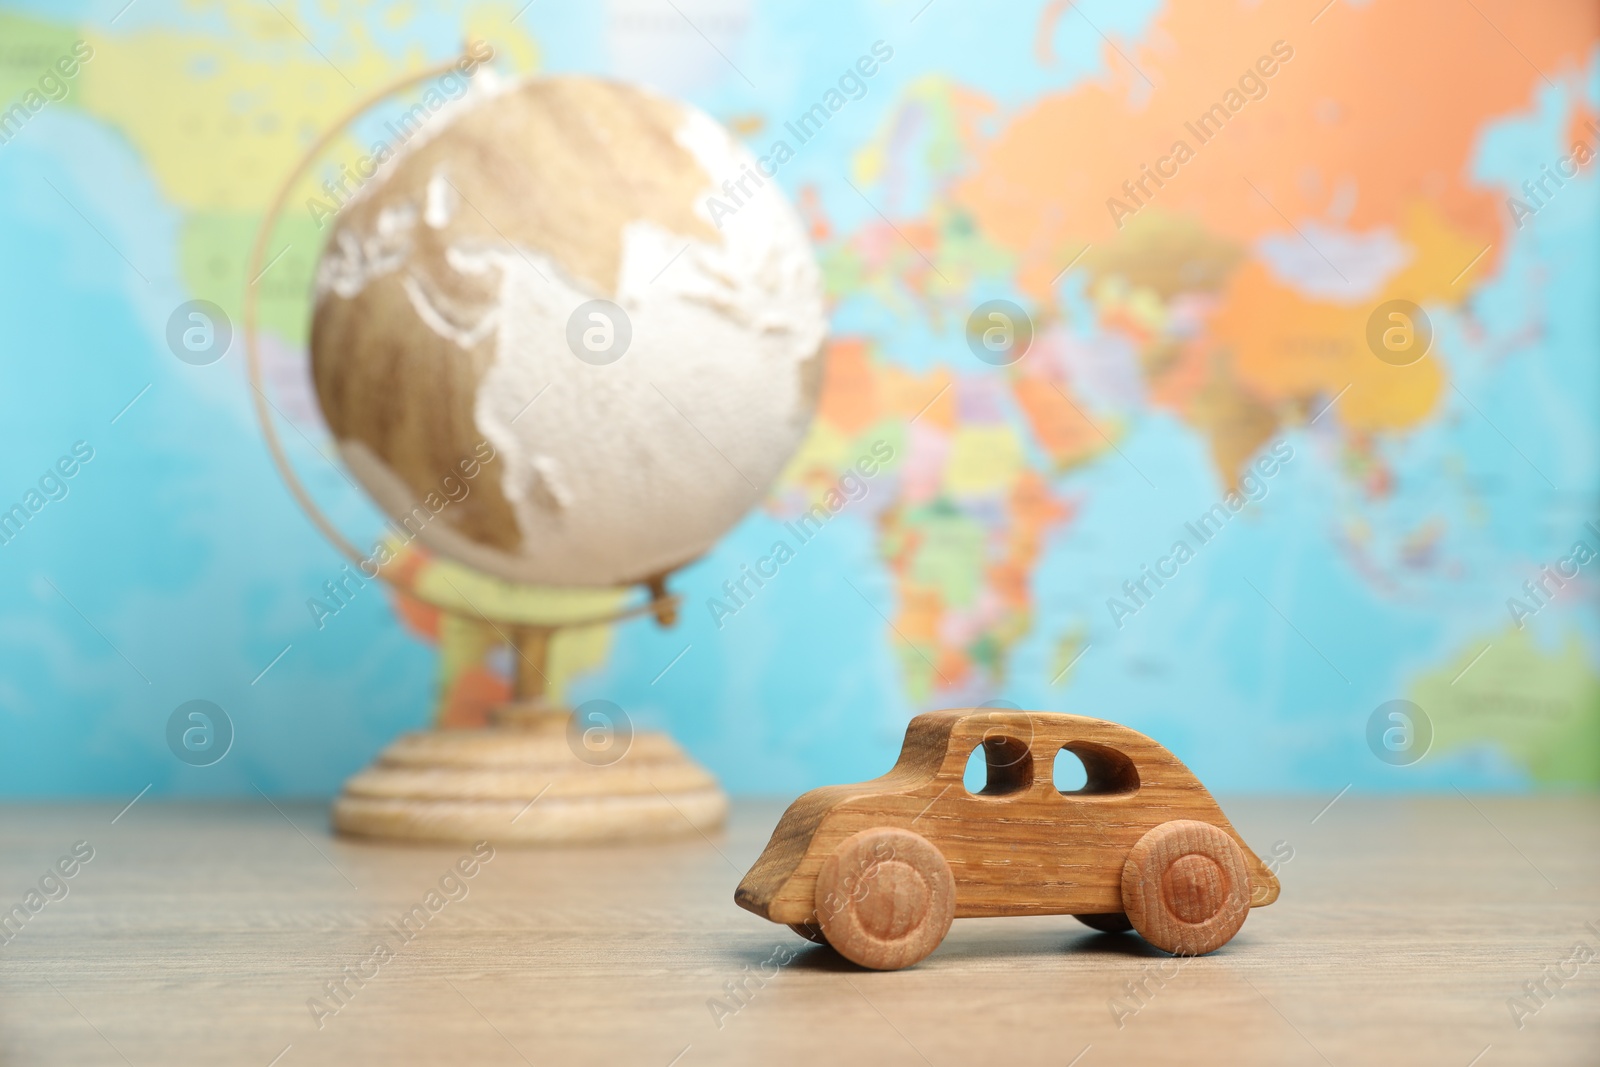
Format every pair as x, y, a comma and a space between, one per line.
569, 334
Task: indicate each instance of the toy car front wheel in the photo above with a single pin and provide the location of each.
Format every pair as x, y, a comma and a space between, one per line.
1185, 887
810, 931
885, 898
1110, 923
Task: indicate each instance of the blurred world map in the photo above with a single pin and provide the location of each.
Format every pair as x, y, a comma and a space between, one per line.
1200, 372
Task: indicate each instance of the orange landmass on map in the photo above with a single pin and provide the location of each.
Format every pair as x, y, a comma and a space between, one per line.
1287, 347
1058, 422
858, 391
945, 648
1387, 147
850, 399
416, 615
928, 398
943, 643
1234, 344
1033, 510
1400, 128
467, 701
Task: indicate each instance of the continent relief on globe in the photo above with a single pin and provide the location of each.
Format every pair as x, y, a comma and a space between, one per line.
441, 334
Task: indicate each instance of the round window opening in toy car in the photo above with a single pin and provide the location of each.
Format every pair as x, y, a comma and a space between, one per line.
1094, 771
1002, 764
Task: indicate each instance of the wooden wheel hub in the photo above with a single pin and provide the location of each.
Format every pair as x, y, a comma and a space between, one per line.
1185, 887
894, 898
885, 898
1194, 888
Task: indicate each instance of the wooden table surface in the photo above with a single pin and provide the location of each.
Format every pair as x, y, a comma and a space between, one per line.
198, 933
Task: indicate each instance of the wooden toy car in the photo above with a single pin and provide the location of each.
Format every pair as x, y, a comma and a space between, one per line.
879, 869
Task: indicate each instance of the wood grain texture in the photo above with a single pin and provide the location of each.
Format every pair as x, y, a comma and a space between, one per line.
1019, 847
558, 166
885, 899
199, 931
528, 785
1185, 887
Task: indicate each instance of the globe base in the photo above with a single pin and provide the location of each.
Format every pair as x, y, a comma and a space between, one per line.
529, 783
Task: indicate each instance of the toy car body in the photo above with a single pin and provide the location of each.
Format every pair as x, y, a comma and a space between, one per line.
1141, 843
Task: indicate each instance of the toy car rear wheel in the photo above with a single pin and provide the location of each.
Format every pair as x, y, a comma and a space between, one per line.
811, 932
1186, 888
1114, 922
885, 898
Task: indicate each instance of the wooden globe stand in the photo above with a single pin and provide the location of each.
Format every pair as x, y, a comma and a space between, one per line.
530, 776
535, 776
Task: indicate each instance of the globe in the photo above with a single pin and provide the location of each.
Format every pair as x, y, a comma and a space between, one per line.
569, 334
566, 335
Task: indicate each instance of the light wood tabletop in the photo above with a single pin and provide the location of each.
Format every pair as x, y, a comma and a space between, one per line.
1408, 931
